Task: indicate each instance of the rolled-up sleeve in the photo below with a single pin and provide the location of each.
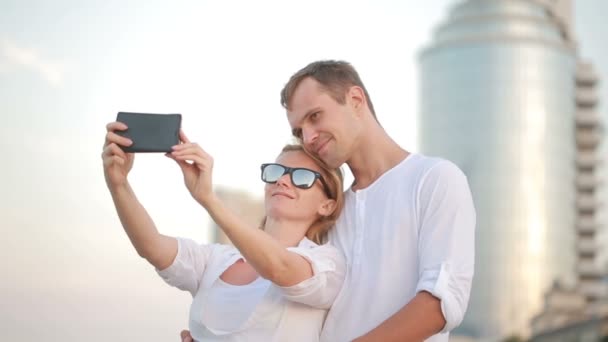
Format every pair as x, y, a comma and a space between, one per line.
187, 268
329, 269
447, 240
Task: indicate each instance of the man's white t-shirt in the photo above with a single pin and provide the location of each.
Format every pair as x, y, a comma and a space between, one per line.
409, 231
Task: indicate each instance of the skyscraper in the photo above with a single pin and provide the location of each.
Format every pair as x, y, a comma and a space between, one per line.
581, 311
588, 137
498, 98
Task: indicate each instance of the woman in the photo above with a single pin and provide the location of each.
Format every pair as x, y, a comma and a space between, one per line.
279, 281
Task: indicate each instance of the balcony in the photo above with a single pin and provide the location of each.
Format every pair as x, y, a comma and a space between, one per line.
587, 159
586, 97
588, 138
586, 203
587, 224
586, 75
587, 246
588, 269
587, 117
594, 289
587, 181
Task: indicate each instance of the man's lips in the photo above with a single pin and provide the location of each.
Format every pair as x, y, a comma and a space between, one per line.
320, 146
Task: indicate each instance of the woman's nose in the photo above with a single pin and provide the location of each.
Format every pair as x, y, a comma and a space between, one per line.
284, 180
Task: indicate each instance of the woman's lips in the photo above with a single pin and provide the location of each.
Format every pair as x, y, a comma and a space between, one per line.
281, 193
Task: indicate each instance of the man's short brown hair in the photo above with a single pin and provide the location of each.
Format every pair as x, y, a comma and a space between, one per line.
334, 77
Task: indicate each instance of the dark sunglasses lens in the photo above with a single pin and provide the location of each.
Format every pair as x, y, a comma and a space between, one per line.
272, 173
303, 178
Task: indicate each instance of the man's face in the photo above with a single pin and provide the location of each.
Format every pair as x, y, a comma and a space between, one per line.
327, 128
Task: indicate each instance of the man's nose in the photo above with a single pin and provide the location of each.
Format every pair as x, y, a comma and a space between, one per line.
309, 136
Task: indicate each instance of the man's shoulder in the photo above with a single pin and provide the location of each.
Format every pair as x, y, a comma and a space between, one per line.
434, 164
440, 173
424, 165
432, 171
426, 161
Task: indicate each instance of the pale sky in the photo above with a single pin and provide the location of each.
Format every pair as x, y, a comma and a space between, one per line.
69, 272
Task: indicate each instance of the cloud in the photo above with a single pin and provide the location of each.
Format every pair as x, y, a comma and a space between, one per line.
12, 55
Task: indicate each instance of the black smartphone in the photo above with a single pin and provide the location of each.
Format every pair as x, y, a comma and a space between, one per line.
150, 132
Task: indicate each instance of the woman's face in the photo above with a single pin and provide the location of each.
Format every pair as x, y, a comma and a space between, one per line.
285, 201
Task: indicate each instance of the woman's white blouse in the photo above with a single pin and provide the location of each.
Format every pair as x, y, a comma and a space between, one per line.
261, 310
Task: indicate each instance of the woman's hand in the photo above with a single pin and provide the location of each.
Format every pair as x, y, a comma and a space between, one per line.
116, 163
197, 167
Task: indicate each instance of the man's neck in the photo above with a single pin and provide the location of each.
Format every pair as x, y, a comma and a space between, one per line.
376, 154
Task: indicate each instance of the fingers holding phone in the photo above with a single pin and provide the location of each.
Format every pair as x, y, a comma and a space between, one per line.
116, 162
197, 167
134, 133
182, 137
113, 137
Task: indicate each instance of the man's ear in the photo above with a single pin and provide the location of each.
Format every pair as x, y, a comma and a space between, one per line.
327, 207
356, 96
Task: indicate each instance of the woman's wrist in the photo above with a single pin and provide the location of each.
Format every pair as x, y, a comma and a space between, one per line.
121, 188
210, 201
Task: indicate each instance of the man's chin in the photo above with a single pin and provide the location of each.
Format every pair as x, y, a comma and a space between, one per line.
331, 162
324, 158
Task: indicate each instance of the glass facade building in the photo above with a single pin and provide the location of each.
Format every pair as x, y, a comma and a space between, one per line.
497, 89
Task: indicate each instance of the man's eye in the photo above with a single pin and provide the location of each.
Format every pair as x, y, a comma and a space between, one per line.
314, 116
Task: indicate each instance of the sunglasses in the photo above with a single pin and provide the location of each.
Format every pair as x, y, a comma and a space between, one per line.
300, 177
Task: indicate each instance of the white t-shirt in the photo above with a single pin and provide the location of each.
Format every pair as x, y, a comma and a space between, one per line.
411, 230
259, 311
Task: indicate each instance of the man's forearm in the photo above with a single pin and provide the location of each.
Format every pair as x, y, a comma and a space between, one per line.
420, 319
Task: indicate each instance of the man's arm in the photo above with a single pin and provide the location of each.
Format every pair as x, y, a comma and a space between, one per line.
420, 319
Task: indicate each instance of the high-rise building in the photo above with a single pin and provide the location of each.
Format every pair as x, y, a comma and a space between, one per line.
498, 90
588, 136
580, 313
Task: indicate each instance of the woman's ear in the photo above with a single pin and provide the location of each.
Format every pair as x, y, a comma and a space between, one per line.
327, 207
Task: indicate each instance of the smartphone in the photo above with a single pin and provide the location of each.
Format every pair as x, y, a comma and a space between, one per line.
150, 132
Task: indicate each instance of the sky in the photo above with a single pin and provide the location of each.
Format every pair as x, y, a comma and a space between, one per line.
67, 67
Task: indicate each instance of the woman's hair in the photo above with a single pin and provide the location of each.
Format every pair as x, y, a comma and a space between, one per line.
317, 232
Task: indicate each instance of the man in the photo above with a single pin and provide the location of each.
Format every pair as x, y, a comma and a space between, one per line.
407, 228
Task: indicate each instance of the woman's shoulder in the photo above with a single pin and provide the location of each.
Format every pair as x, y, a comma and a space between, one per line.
312, 250
213, 252
306, 243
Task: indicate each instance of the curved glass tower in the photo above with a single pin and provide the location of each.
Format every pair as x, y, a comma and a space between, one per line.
497, 98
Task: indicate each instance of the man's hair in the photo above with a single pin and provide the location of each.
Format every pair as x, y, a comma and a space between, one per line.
334, 77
